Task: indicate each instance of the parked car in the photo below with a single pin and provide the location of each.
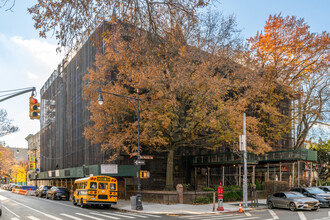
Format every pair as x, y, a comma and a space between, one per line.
11, 186
58, 193
292, 200
316, 193
42, 190
325, 188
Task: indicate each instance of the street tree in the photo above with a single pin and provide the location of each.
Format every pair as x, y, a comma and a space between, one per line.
191, 98
6, 126
71, 21
19, 172
293, 64
6, 161
323, 160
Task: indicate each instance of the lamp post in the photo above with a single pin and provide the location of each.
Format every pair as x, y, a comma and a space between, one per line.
137, 99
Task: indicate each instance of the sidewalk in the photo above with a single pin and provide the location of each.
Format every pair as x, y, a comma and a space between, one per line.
156, 208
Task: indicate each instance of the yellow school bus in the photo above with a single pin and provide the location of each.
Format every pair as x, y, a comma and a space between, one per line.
95, 190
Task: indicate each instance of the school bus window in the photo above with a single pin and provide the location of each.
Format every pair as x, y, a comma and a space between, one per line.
93, 185
112, 186
103, 186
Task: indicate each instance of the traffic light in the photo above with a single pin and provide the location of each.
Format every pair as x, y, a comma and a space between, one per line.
34, 108
144, 174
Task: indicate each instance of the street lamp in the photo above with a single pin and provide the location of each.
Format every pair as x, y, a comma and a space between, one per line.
100, 101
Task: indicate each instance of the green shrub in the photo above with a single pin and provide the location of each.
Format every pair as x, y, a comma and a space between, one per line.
232, 188
187, 187
208, 189
230, 196
203, 200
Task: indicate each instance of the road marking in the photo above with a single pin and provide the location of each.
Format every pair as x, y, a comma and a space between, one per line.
92, 217
70, 216
14, 219
150, 215
49, 216
33, 218
107, 216
135, 215
10, 211
248, 214
273, 214
329, 213
218, 216
302, 216
206, 216
120, 215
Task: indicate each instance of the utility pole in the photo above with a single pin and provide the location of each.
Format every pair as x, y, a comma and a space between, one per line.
245, 163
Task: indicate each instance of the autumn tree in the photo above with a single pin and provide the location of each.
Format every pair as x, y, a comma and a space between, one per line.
294, 61
7, 5
6, 160
19, 172
72, 21
6, 126
190, 97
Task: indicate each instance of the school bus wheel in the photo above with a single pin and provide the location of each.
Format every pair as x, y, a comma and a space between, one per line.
74, 201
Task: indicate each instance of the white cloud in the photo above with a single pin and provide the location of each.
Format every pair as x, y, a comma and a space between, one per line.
24, 63
31, 75
42, 51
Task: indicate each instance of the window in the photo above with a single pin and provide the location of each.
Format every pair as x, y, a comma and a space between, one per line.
103, 186
112, 186
93, 185
276, 195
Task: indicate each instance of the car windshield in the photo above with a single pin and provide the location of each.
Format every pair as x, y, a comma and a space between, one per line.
47, 187
63, 189
315, 190
294, 195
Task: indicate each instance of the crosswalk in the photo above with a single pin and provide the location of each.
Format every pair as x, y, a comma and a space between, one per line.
219, 216
90, 216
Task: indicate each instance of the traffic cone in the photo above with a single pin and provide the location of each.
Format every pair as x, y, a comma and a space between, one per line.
240, 210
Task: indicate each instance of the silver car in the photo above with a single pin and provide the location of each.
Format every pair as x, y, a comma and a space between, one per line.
292, 200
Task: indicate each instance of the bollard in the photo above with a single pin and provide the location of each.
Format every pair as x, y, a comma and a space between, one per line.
220, 198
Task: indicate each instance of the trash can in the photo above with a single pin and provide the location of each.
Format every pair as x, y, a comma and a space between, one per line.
133, 202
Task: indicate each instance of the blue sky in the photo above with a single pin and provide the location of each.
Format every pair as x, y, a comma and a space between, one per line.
27, 61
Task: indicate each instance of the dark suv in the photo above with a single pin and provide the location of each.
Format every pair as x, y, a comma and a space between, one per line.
42, 190
325, 188
316, 193
58, 193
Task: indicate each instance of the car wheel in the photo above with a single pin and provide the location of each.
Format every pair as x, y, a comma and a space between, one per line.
47, 196
292, 206
315, 209
270, 205
74, 201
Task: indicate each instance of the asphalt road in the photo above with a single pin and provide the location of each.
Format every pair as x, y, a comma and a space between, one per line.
18, 207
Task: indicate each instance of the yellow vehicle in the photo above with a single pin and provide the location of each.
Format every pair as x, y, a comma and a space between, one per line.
95, 190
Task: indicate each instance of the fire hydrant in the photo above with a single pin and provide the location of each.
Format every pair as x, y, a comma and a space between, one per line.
220, 198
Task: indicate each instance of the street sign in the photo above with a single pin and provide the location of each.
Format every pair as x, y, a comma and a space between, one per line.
147, 157
139, 162
133, 154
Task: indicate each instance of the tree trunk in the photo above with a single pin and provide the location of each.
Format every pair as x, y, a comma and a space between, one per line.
169, 169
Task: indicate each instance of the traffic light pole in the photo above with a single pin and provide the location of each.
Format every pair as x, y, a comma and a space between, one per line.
12, 95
